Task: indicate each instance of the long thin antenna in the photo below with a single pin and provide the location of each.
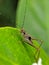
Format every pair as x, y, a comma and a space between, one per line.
24, 14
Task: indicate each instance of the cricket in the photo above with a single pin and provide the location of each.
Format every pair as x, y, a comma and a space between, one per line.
29, 39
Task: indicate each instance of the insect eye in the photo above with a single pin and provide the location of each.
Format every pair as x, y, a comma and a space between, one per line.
24, 33
29, 38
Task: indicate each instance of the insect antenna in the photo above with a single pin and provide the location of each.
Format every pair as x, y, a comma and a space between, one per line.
24, 14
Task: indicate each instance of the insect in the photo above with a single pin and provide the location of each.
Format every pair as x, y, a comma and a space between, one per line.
28, 38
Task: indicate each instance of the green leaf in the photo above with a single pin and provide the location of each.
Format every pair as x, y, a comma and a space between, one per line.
36, 21
13, 51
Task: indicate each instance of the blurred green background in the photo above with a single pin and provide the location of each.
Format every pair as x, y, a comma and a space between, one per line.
36, 21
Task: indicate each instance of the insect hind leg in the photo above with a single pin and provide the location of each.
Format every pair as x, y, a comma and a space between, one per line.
41, 42
37, 53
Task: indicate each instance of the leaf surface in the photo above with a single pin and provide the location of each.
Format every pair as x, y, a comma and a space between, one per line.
13, 51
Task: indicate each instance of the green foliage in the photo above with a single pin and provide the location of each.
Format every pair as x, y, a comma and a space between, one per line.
13, 51
36, 20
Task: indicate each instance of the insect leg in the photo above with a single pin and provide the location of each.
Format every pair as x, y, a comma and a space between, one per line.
39, 41
37, 53
31, 43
